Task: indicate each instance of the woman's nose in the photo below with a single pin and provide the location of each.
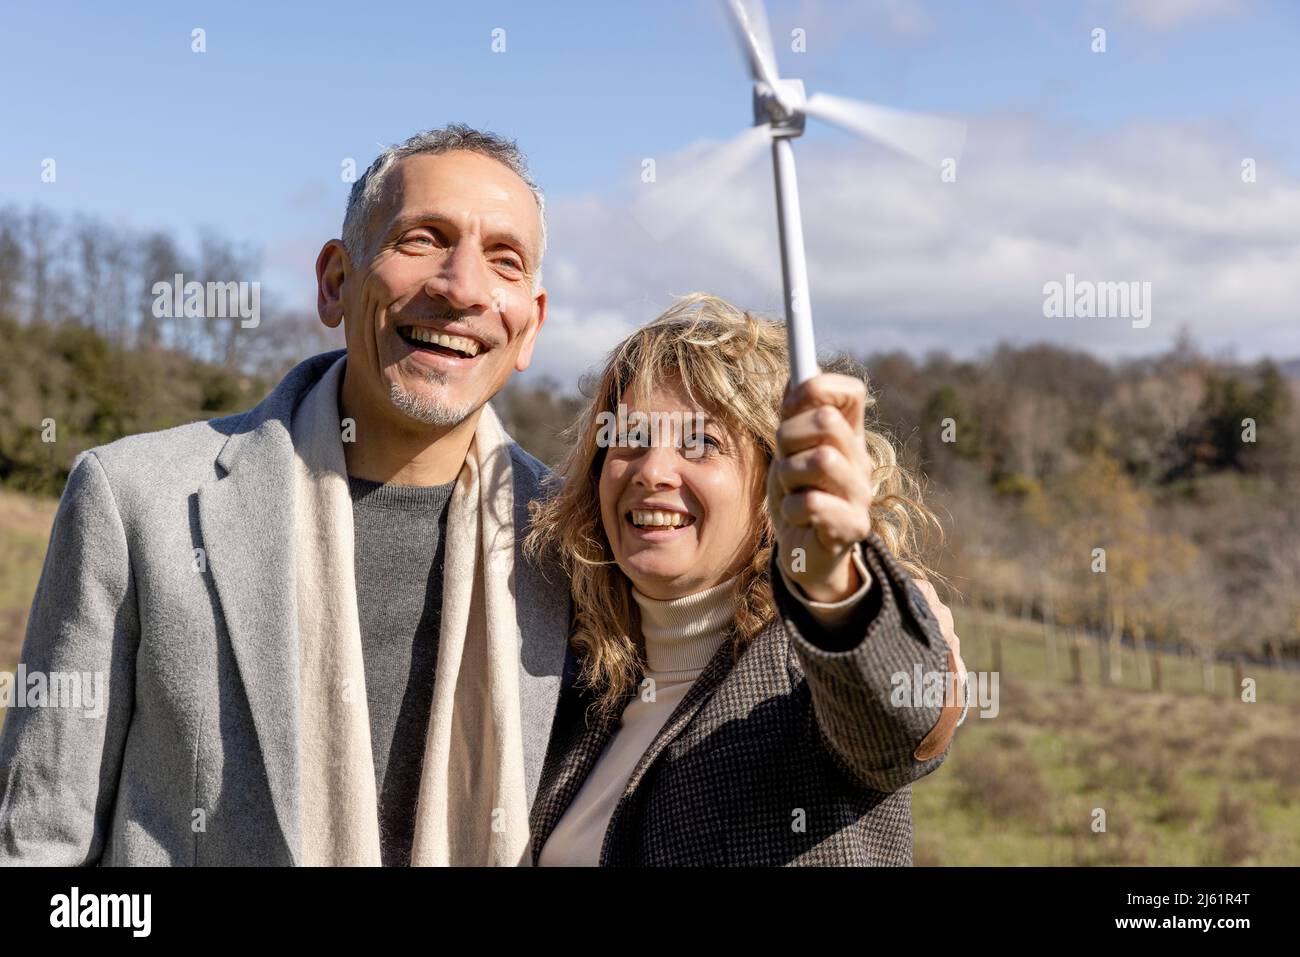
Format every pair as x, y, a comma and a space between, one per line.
657, 467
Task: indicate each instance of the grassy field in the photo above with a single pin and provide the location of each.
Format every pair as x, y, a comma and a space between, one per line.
1183, 778
24, 532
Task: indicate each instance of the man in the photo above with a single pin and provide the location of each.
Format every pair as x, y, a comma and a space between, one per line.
318, 640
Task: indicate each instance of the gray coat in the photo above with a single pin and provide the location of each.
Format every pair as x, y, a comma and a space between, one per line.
194, 759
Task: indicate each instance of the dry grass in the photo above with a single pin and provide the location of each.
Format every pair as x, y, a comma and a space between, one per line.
1183, 778
24, 535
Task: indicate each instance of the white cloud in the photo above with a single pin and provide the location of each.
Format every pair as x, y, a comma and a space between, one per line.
831, 22
899, 259
1170, 14
573, 341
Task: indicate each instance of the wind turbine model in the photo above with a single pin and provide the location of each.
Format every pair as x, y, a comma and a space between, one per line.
780, 108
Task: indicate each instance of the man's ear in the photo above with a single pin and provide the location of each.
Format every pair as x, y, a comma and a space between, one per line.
332, 268
525, 356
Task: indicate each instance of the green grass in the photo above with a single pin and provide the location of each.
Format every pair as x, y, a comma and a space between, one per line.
1185, 778
1026, 653
25, 522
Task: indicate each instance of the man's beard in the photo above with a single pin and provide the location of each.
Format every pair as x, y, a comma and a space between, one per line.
429, 411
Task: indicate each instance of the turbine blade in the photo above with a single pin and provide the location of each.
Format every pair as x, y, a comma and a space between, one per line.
930, 139
750, 21
693, 178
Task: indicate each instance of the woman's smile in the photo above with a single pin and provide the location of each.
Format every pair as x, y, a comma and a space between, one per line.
658, 524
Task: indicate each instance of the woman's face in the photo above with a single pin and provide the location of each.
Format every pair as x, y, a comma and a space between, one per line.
679, 504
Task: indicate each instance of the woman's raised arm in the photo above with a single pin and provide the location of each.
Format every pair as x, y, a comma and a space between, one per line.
887, 683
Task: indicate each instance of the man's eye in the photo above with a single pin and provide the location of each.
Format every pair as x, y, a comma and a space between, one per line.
510, 263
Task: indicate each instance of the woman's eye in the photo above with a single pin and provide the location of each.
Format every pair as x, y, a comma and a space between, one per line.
702, 444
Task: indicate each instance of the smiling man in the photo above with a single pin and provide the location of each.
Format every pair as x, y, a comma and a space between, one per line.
321, 640
446, 302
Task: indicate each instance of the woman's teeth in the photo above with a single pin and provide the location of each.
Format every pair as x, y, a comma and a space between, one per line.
434, 338
655, 519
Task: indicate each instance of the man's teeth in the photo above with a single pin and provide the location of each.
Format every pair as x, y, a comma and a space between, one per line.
655, 518
434, 338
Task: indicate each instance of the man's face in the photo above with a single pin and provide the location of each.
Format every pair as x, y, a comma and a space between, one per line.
441, 308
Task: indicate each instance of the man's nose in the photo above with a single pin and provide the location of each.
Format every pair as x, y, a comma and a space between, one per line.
462, 279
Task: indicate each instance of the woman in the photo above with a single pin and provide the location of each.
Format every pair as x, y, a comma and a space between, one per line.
740, 628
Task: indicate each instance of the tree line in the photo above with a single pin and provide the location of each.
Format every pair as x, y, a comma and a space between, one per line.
1148, 500
1145, 500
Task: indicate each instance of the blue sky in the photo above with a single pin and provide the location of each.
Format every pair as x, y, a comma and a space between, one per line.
249, 137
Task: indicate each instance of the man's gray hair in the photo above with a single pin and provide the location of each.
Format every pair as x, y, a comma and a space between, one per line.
455, 136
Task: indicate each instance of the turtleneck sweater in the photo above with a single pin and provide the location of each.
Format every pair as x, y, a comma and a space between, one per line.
681, 637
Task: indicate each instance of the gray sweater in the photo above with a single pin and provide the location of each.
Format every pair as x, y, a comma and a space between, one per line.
400, 534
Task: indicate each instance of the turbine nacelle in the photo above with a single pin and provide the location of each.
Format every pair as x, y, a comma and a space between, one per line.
781, 109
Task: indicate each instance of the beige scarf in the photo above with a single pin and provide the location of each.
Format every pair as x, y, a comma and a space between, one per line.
473, 806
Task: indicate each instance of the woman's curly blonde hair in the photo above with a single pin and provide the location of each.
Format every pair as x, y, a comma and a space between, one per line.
734, 365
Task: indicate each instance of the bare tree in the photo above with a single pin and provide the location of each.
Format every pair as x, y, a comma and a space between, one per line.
159, 261
12, 261
221, 261
42, 238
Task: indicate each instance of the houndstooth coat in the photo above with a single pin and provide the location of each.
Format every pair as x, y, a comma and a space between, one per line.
791, 755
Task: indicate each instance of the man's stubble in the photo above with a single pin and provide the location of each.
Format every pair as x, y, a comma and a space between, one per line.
426, 410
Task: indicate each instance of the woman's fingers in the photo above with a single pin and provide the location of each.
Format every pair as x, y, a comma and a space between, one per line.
822, 467
943, 614
819, 483
846, 393
824, 425
837, 521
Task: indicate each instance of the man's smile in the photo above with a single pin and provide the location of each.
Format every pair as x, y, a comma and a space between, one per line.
440, 347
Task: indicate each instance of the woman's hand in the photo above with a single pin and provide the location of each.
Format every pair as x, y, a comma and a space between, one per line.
819, 485
943, 614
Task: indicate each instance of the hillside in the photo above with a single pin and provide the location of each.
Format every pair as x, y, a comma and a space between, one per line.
64, 389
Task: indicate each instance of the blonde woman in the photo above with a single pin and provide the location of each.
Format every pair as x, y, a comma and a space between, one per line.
745, 611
